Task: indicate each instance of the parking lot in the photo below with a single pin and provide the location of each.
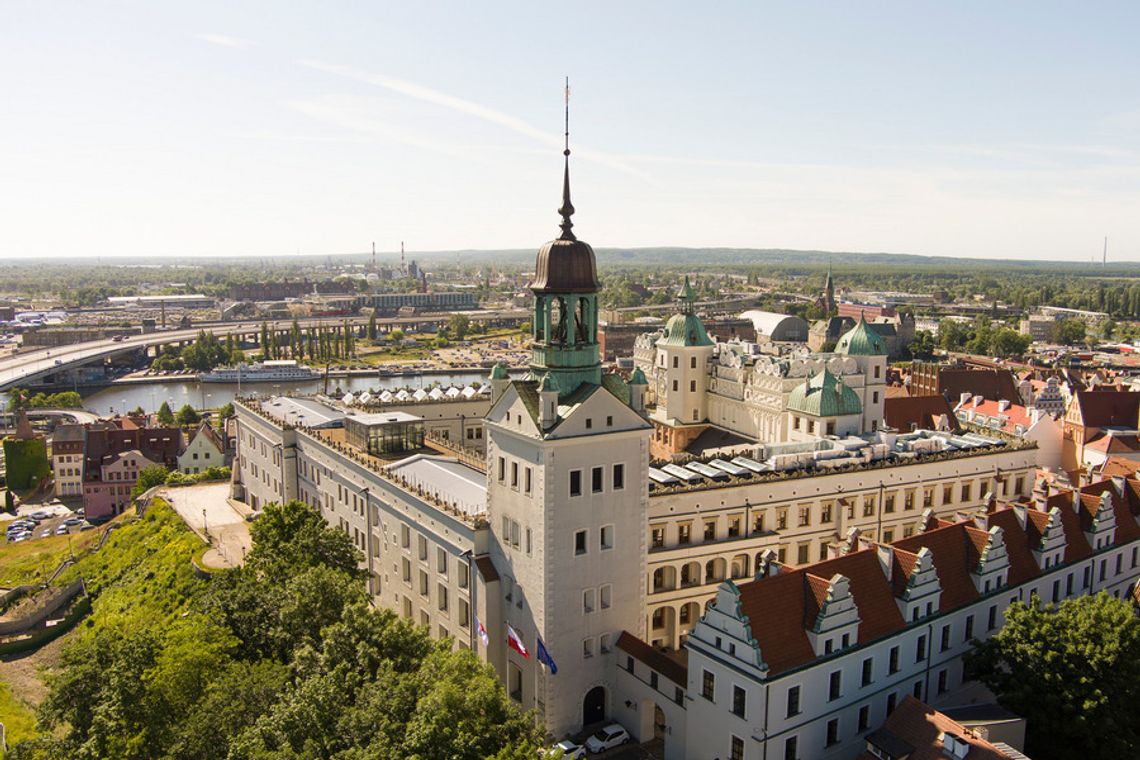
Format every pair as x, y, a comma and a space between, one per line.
41, 521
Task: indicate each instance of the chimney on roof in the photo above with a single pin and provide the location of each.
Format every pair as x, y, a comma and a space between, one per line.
1003, 404
768, 565
964, 398
886, 559
1021, 513
1119, 484
927, 518
978, 400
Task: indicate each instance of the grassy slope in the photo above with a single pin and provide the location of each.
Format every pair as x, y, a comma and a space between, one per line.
32, 561
141, 576
18, 718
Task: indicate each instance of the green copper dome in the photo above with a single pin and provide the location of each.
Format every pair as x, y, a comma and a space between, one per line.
861, 340
499, 372
824, 395
638, 377
684, 330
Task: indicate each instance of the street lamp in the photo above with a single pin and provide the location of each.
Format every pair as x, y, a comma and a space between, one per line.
204, 528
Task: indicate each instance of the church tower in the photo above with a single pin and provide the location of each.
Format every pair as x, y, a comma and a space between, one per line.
567, 494
829, 294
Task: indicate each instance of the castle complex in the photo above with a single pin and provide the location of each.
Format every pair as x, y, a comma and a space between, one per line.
580, 545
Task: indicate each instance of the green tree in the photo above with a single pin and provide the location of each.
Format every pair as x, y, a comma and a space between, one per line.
187, 416
396, 336
372, 326
1070, 332
922, 347
149, 477
458, 325
1073, 671
293, 536
165, 415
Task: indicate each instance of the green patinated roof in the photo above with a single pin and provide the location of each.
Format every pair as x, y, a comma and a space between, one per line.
686, 293
861, 340
498, 372
684, 330
638, 377
548, 384
824, 395
615, 385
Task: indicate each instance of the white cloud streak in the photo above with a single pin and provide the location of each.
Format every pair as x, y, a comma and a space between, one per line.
470, 108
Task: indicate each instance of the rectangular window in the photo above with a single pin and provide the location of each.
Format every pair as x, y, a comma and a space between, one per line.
575, 482
945, 644
793, 701
737, 752
892, 700
991, 622
965, 492
618, 477
782, 519
529, 541
580, 542
405, 536
832, 731
587, 648
710, 530
733, 527
864, 717
407, 569
422, 544
596, 480
607, 535
889, 504
442, 597
708, 685
920, 649
942, 678
441, 561
604, 643
791, 748
423, 583
588, 601
658, 537
738, 701
868, 671
464, 575
835, 686
969, 634
514, 474
893, 661
605, 595
683, 532
502, 469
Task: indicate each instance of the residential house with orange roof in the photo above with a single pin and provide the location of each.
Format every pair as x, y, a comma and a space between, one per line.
916, 731
1029, 423
1092, 413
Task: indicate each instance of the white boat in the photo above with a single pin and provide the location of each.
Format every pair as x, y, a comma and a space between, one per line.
284, 370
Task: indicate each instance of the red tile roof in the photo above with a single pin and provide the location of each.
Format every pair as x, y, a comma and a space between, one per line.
903, 412
1109, 408
782, 608
1012, 415
662, 663
920, 726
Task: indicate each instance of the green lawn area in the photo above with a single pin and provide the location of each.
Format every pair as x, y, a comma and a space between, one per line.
35, 560
19, 720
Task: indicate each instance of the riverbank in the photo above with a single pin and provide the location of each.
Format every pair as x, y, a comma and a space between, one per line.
141, 378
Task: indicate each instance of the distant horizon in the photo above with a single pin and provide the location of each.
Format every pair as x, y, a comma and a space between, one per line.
974, 130
818, 257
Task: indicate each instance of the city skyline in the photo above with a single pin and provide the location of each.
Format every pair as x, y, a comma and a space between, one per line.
976, 131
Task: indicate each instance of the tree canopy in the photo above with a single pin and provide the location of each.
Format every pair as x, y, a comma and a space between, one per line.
1073, 671
283, 657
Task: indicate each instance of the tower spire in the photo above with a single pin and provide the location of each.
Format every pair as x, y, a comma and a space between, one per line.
567, 209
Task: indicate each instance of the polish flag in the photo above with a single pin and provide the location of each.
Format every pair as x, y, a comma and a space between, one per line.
482, 632
514, 641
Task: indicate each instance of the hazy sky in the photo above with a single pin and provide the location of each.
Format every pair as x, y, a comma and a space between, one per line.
1008, 129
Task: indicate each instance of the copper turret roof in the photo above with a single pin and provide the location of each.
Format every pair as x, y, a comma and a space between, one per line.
565, 265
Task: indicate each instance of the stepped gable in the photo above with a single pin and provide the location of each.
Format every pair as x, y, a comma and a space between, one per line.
1018, 545
956, 556
774, 607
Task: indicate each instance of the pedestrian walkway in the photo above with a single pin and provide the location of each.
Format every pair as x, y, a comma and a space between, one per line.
210, 513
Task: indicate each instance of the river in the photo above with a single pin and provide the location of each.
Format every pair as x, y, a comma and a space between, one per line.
150, 396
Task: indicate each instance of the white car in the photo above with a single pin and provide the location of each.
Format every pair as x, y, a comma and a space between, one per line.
611, 736
570, 750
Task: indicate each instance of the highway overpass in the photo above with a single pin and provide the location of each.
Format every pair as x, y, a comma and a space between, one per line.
37, 368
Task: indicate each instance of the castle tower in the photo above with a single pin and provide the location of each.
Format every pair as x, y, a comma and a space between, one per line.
683, 353
567, 494
829, 293
869, 351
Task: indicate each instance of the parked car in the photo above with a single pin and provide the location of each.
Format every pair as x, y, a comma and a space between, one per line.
608, 737
39, 514
61, 530
45, 533
86, 526
570, 750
